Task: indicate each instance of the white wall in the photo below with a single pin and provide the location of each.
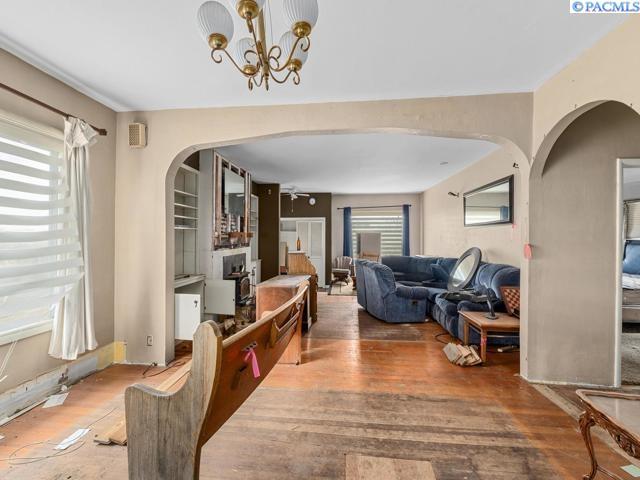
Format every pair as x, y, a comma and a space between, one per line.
415, 216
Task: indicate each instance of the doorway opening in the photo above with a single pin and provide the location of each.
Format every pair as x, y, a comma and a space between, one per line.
629, 327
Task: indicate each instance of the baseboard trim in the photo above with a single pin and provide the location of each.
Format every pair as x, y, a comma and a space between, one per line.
35, 391
565, 384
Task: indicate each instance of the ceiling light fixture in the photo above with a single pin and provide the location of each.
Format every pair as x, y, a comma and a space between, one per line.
252, 56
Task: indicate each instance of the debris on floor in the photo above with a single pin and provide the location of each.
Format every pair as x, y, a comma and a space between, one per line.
55, 400
464, 356
632, 470
71, 439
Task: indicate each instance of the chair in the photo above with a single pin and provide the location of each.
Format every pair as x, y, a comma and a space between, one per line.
341, 270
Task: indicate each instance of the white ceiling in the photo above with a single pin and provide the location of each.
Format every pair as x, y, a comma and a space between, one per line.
148, 54
357, 163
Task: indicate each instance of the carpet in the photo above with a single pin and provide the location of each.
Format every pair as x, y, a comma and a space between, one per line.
630, 349
364, 467
342, 289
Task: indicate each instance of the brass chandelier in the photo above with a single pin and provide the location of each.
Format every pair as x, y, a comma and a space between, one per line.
253, 58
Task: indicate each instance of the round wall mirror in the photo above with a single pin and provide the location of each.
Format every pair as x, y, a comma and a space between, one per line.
464, 269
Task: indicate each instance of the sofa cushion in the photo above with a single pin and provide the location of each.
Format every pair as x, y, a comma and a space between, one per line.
447, 263
507, 277
432, 293
413, 293
415, 269
448, 308
439, 273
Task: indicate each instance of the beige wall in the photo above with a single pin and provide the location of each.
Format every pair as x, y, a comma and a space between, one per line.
610, 70
144, 231
573, 274
444, 231
415, 216
30, 357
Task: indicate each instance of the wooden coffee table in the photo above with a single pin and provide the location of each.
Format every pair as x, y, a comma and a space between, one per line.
477, 320
619, 414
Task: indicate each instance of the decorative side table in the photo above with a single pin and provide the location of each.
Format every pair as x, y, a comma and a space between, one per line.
617, 413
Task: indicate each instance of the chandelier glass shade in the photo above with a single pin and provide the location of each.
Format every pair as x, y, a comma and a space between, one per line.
257, 61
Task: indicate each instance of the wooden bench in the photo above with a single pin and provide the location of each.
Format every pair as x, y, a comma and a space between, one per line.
166, 431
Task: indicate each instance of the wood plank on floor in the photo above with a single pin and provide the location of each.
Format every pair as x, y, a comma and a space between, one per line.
365, 467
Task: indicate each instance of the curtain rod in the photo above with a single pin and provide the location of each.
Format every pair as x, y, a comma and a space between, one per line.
66, 115
381, 206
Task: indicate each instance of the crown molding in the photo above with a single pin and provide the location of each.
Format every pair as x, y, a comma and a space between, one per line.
55, 72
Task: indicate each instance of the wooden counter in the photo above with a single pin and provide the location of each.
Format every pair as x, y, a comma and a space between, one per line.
271, 295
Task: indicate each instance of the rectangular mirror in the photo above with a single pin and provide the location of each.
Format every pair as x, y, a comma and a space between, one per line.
491, 204
233, 199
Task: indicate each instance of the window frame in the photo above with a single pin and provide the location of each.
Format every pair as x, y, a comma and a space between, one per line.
24, 329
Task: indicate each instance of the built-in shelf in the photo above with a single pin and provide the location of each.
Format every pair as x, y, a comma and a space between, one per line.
186, 194
189, 169
182, 205
185, 219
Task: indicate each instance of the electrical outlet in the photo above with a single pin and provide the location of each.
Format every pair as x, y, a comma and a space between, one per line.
149, 340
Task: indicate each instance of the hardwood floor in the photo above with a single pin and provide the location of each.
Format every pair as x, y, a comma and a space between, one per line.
365, 388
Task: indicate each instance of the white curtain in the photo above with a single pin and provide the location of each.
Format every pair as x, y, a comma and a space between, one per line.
73, 329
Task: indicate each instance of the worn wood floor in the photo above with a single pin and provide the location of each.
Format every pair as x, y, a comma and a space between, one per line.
366, 388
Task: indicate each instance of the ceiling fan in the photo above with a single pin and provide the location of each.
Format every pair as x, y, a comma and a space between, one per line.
293, 192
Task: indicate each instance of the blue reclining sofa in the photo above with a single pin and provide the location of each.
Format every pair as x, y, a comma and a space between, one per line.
489, 275
386, 299
398, 289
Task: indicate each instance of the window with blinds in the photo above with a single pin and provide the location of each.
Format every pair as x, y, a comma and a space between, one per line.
387, 222
40, 259
632, 219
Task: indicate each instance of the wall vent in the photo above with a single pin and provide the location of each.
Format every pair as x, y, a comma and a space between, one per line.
137, 135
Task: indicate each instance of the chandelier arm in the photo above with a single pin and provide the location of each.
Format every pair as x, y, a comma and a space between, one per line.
219, 60
306, 49
296, 77
284, 80
275, 57
293, 50
258, 80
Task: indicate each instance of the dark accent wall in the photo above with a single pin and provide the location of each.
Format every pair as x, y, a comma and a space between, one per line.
322, 208
268, 227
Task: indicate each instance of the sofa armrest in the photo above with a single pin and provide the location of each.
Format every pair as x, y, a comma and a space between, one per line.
412, 293
467, 306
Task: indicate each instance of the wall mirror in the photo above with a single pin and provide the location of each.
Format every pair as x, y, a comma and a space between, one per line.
234, 195
491, 204
464, 269
231, 204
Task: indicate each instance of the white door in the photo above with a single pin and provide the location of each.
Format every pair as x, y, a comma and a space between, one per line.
312, 240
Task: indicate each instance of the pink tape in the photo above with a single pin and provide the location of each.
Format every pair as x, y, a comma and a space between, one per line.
251, 355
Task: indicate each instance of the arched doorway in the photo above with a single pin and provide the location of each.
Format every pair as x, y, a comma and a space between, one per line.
573, 275
514, 153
